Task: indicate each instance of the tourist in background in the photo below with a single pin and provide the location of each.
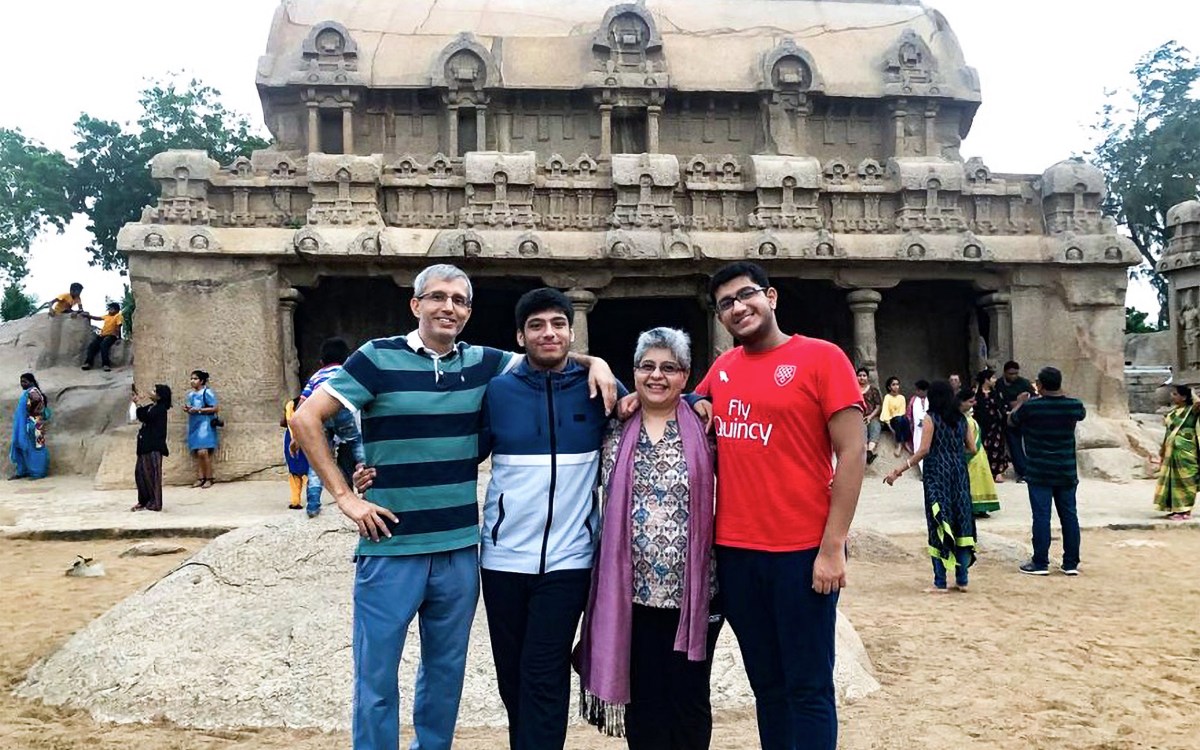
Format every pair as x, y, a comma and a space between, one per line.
70, 301
1178, 472
945, 436
991, 414
649, 655
110, 333
341, 430
1047, 426
201, 407
1014, 389
918, 407
28, 452
151, 446
874, 401
984, 498
894, 415
297, 463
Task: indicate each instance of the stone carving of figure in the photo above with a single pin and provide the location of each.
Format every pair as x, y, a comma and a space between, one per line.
472, 248
1189, 318
154, 239
1074, 253
370, 245
308, 245
500, 181
972, 251
824, 250
198, 242
768, 250
527, 249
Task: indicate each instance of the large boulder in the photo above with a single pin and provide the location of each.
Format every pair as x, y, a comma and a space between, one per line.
254, 630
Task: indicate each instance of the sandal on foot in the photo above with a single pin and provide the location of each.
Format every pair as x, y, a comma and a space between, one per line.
197, 483
136, 508
206, 483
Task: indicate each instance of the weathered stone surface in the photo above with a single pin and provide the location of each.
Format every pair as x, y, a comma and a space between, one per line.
1149, 349
627, 169
260, 636
153, 549
480, 167
994, 548
1110, 464
870, 545
1098, 432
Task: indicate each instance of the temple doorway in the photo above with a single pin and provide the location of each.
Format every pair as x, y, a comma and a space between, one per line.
924, 330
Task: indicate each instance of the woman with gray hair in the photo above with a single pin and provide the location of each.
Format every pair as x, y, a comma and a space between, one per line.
647, 639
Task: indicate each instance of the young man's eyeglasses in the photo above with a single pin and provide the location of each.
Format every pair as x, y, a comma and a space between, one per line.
725, 304
666, 368
439, 298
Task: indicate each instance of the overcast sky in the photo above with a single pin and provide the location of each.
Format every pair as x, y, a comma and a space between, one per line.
1044, 67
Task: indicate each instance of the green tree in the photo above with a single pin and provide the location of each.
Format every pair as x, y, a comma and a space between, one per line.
1148, 145
34, 196
16, 304
1135, 321
111, 179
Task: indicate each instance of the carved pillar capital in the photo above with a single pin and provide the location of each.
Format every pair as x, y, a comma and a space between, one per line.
864, 300
583, 301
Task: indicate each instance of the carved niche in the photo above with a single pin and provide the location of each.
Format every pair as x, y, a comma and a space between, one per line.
909, 67
185, 178
627, 50
499, 189
787, 76
566, 192
786, 188
645, 187
345, 189
1072, 194
930, 189
465, 68
713, 185
329, 56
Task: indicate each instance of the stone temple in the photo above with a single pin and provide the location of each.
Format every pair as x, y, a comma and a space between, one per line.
621, 152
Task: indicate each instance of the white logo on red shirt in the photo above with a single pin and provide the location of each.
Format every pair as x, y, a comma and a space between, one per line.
784, 374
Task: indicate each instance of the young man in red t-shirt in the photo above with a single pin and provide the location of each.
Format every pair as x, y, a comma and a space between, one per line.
783, 408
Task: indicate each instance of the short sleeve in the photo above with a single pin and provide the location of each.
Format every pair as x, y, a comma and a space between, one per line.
837, 383
359, 380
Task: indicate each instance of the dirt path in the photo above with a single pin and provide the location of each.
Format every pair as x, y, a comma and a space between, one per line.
1109, 660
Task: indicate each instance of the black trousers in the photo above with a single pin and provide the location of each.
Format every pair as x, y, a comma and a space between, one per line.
101, 345
669, 705
532, 621
147, 475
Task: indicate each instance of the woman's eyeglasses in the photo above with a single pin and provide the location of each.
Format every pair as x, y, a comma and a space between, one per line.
666, 368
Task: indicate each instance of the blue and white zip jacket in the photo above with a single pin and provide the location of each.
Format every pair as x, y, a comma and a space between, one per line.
544, 435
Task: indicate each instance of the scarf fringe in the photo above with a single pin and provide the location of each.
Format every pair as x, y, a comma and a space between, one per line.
608, 718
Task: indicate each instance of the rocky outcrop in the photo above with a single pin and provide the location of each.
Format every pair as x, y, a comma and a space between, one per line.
254, 630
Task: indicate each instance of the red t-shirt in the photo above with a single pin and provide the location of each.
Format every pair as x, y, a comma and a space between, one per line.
771, 414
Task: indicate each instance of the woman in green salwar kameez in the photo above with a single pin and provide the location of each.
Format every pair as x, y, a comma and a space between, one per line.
984, 499
1179, 470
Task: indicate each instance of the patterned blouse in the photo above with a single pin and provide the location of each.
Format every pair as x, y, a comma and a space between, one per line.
659, 509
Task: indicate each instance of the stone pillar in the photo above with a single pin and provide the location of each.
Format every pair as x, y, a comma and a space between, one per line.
605, 130
503, 123
899, 115
348, 128
289, 298
719, 338
480, 127
583, 301
998, 307
863, 304
931, 140
314, 128
452, 130
652, 115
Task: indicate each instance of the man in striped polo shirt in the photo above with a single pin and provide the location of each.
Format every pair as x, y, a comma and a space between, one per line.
420, 398
1047, 425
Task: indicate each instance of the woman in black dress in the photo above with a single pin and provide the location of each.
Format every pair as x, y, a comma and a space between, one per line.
151, 446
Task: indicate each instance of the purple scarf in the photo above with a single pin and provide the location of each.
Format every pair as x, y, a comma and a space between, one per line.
605, 640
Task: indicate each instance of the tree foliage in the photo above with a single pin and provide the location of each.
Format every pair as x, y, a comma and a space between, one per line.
16, 304
1148, 145
34, 196
1135, 321
111, 179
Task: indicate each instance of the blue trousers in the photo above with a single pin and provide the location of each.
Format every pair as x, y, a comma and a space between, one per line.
343, 427
441, 589
786, 634
963, 557
1063, 497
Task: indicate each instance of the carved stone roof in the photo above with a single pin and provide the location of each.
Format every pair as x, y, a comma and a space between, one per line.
858, 48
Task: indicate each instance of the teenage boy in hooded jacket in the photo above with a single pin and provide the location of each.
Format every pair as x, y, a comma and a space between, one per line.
539, 518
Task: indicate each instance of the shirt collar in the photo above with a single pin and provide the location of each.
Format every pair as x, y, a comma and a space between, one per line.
417, 345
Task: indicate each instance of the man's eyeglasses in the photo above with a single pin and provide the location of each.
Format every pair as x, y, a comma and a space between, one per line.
666, 368
439, 298
725, 304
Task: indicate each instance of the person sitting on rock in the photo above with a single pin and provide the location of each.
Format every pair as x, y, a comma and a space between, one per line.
110, 333
68, 302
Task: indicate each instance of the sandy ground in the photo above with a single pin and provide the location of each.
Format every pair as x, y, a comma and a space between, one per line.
1110, 659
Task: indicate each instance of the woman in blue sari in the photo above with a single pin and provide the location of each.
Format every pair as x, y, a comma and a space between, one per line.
28, 452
